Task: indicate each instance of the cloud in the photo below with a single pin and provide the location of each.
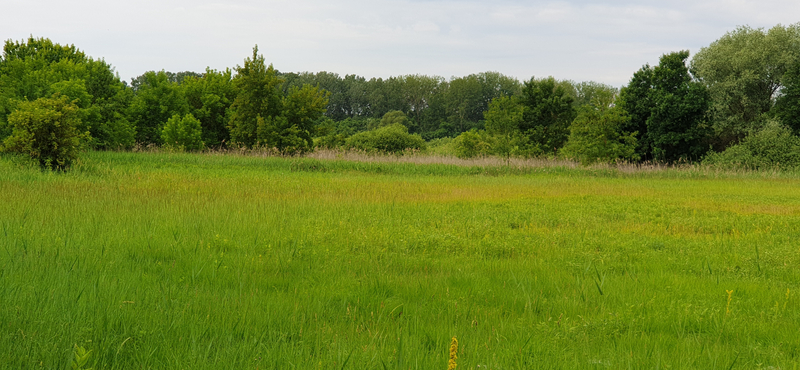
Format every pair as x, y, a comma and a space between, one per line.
582, 40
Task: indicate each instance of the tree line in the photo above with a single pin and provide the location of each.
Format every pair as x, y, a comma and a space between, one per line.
722, 105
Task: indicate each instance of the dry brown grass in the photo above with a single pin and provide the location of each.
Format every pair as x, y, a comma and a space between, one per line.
416, 157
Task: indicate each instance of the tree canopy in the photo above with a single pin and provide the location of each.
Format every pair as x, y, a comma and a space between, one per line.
737, 89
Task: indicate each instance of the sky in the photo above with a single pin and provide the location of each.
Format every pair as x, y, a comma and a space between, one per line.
604, 41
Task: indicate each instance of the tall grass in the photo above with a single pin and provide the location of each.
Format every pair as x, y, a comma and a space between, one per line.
208, 261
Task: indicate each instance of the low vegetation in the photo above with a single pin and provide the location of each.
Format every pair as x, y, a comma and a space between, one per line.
208, 261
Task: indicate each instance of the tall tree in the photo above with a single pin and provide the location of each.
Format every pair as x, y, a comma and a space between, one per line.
209, 98
546, 116
258, 98
417, 91
787, 106
744, 72
290, 132
157, 98
38, 68
668, 108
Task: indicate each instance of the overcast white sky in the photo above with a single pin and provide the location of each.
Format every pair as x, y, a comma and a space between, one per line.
604, 41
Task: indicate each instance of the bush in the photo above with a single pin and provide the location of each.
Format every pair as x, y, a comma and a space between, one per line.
182, 133
473, 143
596, 136
774, 146
47, 130
333, 134
389, 139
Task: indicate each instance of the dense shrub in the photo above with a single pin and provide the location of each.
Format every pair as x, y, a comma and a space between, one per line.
774, 146
183, 133
47, 130
389, 139
473, 143
596, 136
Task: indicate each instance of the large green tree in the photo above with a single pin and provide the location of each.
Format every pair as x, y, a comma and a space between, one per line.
38, 68
546, 116
290, 132
590, 93
744, 71
787, 105
157, 98
261, 114
258, 98
209, 97
668, 108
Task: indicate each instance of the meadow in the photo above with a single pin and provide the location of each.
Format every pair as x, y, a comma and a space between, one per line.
210, 261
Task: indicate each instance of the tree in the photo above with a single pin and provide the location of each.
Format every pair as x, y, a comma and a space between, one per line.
157, 99
390, 118
593, 93
339, 101
47, 130
787, 106
677, 124
773, 146
636, 99
290, 131
669, 109
209, 97
744, 71
182, 133
38, 68
596, 135
503, 121
417, 91
258, 101
546, 116
463, 98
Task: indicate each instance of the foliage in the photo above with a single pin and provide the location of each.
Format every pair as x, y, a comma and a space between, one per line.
332, 134
38, 68
546, 116
436, 108
503, 120
593, 93
257, 103
597, 135
388, 139
157, 99
773, 146
46, 129
209, 97
262, 115
504, 116
787, 105
291, 131
390, 118
744, 72
473, 143
668, 109
677, 123
81, 360
183, 133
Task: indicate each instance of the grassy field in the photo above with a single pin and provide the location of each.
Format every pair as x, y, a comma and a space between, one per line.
181, 261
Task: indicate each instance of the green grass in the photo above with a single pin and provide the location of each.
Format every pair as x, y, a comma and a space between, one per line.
181, 261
